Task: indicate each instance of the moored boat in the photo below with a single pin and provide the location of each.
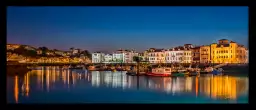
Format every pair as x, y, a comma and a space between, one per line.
164, 71
217, 71
180, 74
91, 68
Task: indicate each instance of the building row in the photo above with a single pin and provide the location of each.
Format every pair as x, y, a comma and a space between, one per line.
224, 51
120, 56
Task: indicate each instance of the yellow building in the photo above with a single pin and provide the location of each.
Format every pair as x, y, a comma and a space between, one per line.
227, 52
205, 54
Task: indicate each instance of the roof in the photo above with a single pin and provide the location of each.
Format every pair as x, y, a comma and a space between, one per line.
224, 45
232, 42
159, 50
198, 47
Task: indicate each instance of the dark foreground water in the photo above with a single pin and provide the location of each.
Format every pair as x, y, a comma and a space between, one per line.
53, 85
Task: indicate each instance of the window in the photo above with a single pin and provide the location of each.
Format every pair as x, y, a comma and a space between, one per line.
231, 55
231, 51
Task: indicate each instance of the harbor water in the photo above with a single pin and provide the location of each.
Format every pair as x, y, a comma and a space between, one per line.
56, 85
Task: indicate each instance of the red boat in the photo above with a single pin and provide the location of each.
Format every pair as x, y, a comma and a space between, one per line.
160, 72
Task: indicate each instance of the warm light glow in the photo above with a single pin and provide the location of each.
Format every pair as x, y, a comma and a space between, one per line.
48, 79
196, 86
16, 89
68, 78
223, 87
27, 85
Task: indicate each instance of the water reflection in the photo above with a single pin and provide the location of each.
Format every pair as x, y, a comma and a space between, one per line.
215, 87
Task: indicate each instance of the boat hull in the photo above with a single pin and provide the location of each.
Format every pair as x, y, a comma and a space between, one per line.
157, 74
179, 74
204, 72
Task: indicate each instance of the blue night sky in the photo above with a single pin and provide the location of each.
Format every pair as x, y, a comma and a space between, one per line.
110, 28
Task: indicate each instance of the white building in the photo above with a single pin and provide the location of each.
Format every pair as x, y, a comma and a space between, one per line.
108, 58
98, 57
156, 55
179, 55
172, 56
128, 55
118, 57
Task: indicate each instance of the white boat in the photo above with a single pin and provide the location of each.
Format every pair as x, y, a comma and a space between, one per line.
163, 71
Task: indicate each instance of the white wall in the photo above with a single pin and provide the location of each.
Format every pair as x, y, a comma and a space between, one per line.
97, 57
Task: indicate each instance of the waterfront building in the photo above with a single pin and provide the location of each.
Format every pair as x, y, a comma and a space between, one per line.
58, 52
141, 55
128, 55
39, 52
205, 52
118, 57
241, 54
171, 55
50, 52
228, 52
188, 46
196, 54
98, 57
108, 58
12, 46
187, 55
29, 47
156, 55
145, 55
179, 55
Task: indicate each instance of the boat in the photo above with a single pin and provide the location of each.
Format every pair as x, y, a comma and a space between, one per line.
217, 71
207, 70
194, 73
91, 68
180, 74
160, 71
131, 73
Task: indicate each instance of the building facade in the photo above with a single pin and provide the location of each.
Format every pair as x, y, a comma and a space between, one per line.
108, 58
171, 56
98, 57
187, 56
119, 57
247, 56
128, 55
156, 55
12, 46
228, 52
196, 54
205, 54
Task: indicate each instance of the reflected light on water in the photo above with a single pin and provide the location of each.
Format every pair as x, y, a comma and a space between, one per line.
16, 88
224, 87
